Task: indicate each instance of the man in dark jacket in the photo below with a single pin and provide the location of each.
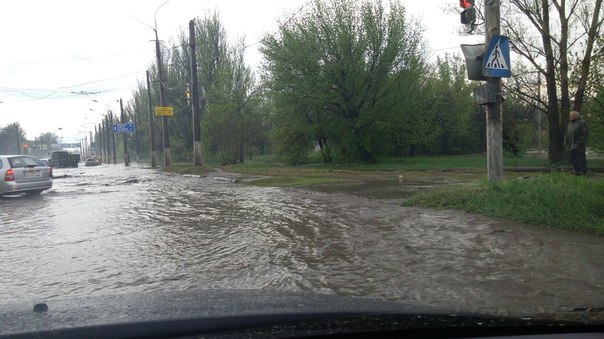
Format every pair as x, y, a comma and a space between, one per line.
575, 141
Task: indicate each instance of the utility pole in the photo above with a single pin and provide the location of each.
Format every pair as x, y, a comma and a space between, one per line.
195, 98
106, 138
493, 118
136, 136
102, 139
18, 142
164, 119
123, 119
151, 126
112, 136
99, 142
91, 145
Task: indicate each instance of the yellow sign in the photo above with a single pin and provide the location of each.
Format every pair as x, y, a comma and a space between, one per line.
164, 111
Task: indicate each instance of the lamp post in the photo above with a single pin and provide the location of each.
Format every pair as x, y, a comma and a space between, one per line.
164, 119
123, 118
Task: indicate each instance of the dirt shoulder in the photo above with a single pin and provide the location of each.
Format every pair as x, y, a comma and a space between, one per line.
374, 184
369, 184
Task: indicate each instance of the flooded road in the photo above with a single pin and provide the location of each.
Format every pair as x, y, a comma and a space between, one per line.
114, 230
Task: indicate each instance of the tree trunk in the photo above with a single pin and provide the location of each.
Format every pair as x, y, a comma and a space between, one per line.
553, 111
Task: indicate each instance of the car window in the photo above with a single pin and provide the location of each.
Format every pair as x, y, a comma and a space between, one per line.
17, 162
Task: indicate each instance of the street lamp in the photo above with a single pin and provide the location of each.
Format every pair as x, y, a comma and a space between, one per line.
164, 119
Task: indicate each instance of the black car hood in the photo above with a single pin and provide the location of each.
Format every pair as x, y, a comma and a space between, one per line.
244, 312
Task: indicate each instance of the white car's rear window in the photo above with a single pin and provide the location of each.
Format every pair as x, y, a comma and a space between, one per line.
18, 162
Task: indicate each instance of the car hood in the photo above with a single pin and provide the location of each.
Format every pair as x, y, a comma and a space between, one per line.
262, 312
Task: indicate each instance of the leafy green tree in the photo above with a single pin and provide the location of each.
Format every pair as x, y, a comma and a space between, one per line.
227, 91
594, 114
454, 129
12, 138
338, 74
44, 142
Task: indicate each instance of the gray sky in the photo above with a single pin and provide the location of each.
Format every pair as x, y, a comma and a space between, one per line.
56, 53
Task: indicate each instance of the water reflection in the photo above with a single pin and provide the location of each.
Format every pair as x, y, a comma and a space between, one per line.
109, 229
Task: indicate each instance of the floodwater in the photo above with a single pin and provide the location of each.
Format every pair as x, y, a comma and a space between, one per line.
114, 230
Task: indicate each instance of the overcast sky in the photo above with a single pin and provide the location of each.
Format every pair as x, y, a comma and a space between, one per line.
56, 53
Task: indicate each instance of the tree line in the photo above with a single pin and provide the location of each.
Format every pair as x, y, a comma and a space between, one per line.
344, 81
351, 81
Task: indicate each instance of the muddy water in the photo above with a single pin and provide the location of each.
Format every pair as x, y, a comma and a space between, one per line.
113, 230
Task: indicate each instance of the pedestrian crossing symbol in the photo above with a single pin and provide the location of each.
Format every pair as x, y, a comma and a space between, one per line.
496, 62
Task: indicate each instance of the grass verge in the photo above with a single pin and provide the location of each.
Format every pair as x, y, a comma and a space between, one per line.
555, 200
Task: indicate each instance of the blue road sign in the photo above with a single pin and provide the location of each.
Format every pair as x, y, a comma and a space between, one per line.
496, 62
123, 128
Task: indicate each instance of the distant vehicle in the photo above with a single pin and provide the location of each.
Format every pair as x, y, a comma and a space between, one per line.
93, 161
64, 159
49, 164
23, 174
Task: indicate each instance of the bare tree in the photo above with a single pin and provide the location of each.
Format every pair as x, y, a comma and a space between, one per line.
559, 42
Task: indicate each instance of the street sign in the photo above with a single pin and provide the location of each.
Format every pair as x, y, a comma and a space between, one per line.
123, 128
166, 111
496, 62
474, 55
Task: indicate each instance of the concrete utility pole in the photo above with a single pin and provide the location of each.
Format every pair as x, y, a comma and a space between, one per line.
112, 137
136, 136
103, 135
106, 138
91, 144
18, 142
493, 118
123, 119
195, 98
164, 119
99, 141
97, 146
151, 126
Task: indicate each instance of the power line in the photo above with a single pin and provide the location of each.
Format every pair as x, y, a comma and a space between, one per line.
84, 58
65, 89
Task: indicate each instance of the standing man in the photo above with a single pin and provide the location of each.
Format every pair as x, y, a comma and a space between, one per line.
575, 141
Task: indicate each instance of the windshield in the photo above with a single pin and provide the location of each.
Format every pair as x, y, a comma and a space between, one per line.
333, 147
17, 162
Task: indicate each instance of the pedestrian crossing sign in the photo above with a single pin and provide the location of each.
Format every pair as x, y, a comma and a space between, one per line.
496, 62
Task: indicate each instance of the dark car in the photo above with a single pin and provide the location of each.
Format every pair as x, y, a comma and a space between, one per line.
23, 174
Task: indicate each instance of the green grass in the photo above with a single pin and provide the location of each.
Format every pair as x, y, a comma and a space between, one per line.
556, 200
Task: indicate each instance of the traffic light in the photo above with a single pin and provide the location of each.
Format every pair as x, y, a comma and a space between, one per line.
466, 3
468, 16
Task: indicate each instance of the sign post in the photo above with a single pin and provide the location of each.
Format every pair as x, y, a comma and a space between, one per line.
496, 62
166, 111
495, 66
123, 128
490, 66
